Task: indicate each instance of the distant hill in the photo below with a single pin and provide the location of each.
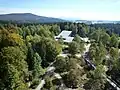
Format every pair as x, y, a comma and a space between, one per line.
28, 18
97, 21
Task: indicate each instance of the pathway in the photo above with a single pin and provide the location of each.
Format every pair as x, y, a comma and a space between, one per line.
86, 58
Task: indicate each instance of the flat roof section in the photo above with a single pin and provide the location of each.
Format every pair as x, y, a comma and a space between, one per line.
65, 34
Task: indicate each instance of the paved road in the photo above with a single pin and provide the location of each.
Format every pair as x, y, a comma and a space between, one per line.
50, 71
39, 87
86, 58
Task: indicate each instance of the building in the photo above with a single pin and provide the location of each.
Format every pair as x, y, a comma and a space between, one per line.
66, 35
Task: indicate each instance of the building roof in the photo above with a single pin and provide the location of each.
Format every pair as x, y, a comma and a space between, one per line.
69, 39
65, 35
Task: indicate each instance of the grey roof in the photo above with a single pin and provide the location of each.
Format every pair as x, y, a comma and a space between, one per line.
66, 35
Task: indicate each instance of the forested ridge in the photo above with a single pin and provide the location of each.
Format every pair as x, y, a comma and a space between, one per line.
28, 18
27, 50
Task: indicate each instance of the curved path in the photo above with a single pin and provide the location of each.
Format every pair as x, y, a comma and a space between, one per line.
87, 60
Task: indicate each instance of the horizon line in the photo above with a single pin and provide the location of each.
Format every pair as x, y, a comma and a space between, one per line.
64, 18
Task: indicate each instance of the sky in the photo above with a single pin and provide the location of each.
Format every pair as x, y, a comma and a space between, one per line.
65, 9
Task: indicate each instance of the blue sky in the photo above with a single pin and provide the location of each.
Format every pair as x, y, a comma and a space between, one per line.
68, 9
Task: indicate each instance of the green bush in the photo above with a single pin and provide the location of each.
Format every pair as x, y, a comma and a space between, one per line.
35, 83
